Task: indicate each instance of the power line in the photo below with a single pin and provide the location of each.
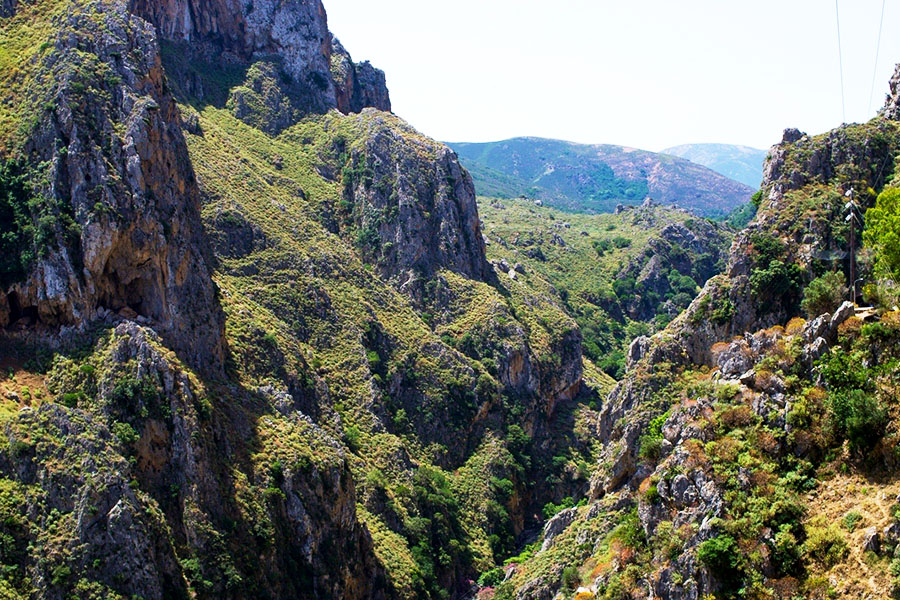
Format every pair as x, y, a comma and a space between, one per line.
837, 18
877, 49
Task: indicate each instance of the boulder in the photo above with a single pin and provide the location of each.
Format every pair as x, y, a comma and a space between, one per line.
846, 310
557, 525
636, 351
872, 540
814, 351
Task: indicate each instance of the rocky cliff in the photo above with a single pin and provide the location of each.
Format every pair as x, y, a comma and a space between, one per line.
410, 199
294, 33
255, 348
356, 406
729, 418
112, 193
891, 109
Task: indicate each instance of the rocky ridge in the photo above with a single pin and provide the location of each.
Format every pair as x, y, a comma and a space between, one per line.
295, 33
738, 360
596, 178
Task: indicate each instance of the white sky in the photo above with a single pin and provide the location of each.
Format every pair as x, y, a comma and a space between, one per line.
644, 73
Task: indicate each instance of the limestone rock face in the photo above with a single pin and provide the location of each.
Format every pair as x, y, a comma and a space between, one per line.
114, 160
415, 206
694, 251
294, 32
891, 108
136, 507
358, 85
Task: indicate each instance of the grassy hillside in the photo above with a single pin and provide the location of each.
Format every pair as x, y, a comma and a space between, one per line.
584, 178
620, 275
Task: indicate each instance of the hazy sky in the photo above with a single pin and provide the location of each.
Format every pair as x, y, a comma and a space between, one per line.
644, 73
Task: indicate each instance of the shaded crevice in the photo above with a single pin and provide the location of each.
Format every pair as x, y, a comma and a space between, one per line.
18, 313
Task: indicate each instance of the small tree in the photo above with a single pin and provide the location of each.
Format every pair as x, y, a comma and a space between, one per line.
824, 294
722, 557
859, 417
882, 234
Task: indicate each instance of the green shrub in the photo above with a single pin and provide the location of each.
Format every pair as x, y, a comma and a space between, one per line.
276, 471
70, 399
824, 542
851, 520
491, 578
723, 311
651, 441
570, 577
767, 248
30, 224
722, 557
777, 282
858, 417
756, 198
273, 493
60, 574
652, 494
772, 280
125, 432
882, 233
786, 550
602, 246
623, 288
551, 510
824, 294
16, 229
353, 437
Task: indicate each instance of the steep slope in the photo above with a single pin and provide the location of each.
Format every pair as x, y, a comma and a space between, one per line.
315, 64
358, 404
134, 476
740, 163
596, 178
723, 444
104, 216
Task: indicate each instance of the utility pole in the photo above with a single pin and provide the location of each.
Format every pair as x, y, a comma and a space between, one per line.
851, 218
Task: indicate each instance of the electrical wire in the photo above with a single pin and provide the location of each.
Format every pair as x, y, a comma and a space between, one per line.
877, 49
837, 18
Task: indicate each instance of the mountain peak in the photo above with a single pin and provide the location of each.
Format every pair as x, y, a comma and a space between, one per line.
741, 163
295, 34
596, 177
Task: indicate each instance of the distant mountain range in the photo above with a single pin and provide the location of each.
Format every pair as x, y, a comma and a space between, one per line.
596, 178
741, 163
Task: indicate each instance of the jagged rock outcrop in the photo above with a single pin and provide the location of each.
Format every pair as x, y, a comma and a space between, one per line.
413, 205
728, 306
111, 157
739, 352
152, 509
696, 252
891, 108
358, 85
295, 33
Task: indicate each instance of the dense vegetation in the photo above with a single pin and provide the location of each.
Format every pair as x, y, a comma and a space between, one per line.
599, 265
396, 417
